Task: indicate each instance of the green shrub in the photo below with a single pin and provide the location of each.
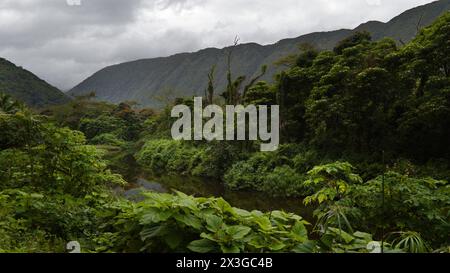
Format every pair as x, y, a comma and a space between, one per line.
305, 161
215, 159
52, 159
103, 124
107, 139
49, 179
42, 222
419, 204
334, 181
249, 174
171, 156
267, 173
284, 181
181, 223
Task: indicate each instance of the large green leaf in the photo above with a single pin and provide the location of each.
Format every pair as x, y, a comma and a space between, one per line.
238, 232
300, 232
214, 223
173, 238
202, 246
189, 220
153, 215
305, 247
344, 235
230, 249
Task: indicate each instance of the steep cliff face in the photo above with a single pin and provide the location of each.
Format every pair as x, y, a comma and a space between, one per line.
186, 73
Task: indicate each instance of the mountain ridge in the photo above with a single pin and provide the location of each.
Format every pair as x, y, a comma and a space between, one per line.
186, 73
26, 87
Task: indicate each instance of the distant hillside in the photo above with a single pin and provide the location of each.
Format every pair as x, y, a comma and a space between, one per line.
27, 87
186, 73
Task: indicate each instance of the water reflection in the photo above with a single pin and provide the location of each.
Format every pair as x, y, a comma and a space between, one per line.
209, 188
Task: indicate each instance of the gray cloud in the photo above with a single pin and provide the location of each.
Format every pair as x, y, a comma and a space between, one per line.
65, 44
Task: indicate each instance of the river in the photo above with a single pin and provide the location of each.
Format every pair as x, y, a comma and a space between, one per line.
200, 187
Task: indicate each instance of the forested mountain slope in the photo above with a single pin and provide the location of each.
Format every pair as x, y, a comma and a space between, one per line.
27, 87
186, 74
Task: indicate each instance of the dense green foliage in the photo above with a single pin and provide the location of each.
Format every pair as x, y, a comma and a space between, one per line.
36, 154
165, 222
276, 173
370, 96
114, 129
8, 105
181, 223
51, 183
365, 143
170, 156
422, 205
381, 107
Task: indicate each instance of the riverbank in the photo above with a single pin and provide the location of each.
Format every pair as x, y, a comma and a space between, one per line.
203, 187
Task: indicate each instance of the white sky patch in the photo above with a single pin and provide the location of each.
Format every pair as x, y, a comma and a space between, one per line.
65, 44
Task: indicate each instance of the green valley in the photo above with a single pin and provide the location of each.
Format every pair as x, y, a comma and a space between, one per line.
363, 163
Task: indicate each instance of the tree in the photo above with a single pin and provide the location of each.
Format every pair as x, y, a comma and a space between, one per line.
209, 92
353, 40
8, 105
49, 159
260, 94
233, 94
425, 123
254, 80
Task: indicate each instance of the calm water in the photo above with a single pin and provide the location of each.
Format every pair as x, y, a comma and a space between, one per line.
210, 188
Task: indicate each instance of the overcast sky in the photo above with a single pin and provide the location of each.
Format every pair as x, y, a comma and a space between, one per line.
64, 44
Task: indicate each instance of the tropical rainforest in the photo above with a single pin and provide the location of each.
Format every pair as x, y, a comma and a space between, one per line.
365, 146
